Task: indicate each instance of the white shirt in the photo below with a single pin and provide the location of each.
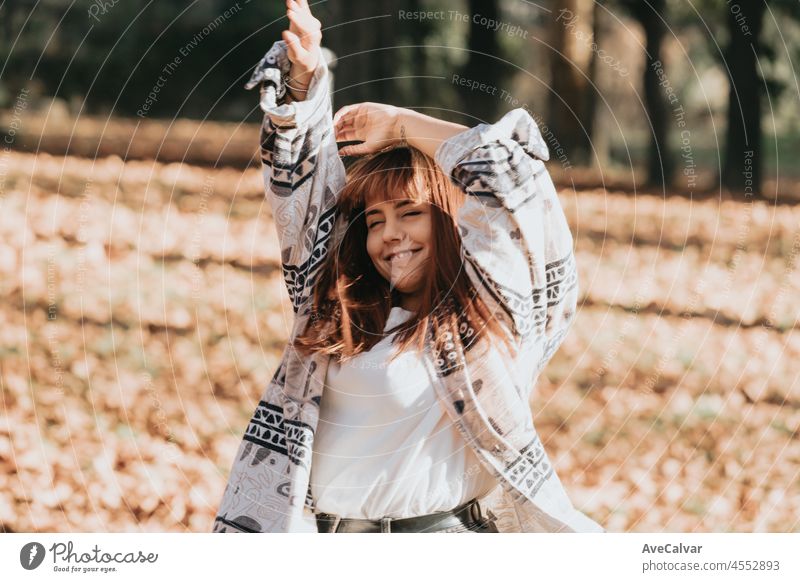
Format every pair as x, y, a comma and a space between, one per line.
384, 446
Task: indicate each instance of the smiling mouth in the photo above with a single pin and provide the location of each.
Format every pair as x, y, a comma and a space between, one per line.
402, 255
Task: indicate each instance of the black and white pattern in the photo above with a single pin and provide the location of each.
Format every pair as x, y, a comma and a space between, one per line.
531, 469
299, 277
266, 428
518, 255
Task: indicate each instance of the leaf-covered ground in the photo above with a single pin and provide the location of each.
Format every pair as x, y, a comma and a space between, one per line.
143, 312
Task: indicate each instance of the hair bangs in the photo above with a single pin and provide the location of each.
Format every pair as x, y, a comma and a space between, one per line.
385, 177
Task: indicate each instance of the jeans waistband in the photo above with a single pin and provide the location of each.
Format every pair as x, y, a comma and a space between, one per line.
465, 513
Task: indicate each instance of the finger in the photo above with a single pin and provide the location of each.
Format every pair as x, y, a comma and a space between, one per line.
304, 18
356, 150
294, 30
302, 6
342, 127
295, 50
300, 19
299, 23
352, 114
292, 41
343, 121
343, 113
294, 23
308, 27
309, 34
347, 135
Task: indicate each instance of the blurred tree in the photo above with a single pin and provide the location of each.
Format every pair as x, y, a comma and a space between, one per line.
420, 86
743, 156
748, 60
109, 56
660, 161
485, 61
383, 57
359, 33
573, 66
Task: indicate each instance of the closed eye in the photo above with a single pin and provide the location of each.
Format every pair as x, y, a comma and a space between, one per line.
410, 213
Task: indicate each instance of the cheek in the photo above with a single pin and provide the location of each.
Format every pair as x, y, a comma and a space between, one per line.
423, 232
374, 247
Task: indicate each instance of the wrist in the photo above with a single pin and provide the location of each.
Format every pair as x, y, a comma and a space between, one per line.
297, 82
423, 132
402, 121
299, 75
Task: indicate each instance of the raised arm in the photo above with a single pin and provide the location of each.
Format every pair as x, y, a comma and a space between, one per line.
378, 126
302, 170
516, 239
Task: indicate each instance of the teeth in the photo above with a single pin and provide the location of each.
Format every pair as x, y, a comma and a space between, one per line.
401, 255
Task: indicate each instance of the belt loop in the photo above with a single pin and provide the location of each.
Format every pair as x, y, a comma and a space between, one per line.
385, 527
336, 521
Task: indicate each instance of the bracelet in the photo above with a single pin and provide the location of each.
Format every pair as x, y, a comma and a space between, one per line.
296, 88
287, 78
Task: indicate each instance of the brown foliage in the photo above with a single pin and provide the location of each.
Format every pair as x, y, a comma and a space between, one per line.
144, 311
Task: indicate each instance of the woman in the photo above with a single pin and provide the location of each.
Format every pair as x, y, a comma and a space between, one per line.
430, 287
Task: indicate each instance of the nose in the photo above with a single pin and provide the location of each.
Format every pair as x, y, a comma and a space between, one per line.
392, 230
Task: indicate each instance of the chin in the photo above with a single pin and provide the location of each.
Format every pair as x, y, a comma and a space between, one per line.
404, 290
409, 287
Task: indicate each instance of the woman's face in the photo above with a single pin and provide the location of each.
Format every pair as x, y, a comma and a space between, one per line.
399, 242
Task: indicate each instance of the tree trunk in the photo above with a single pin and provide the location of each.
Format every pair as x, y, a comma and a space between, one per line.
572, 64
742, 168
660, 163
364, 71
484, 63
417, 89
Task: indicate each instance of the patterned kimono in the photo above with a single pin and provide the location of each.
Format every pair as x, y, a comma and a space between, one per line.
517, 250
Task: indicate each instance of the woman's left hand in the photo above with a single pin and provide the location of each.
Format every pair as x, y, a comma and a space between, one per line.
374, 124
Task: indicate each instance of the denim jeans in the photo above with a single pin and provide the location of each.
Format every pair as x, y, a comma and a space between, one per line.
485, 525
477, 523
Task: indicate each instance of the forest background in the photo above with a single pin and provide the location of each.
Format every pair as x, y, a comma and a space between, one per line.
142, 303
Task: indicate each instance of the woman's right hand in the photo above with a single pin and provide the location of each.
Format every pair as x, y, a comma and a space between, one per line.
302, 41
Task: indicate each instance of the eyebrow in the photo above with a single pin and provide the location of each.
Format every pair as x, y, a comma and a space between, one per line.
397, 204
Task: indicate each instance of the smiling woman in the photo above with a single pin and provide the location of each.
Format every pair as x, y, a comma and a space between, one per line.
401, 248
431, 283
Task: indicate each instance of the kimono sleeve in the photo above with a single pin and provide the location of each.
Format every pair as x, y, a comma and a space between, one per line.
302, 170
516, 243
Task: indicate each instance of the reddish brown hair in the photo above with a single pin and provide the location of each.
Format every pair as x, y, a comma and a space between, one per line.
350, 293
